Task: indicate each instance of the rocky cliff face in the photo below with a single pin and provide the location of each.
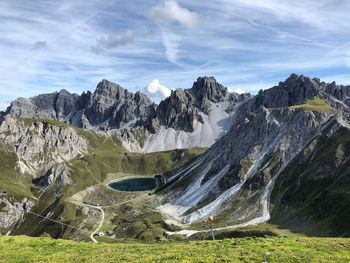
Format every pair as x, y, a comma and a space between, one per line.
182, 110
54, 106
40, 145
12, 212
295, 89
191, 117
109, 107
112, 107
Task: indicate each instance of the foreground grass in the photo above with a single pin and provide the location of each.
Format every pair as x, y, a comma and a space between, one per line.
269, 249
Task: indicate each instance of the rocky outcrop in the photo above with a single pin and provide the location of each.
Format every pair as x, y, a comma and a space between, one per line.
178, 111
55, 176
39, 145
12, 213
114, 106
296, 89
183, 109
54, 106
207, 89
109, 107
293, 91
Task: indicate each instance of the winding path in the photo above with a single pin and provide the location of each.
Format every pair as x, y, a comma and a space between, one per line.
101, 222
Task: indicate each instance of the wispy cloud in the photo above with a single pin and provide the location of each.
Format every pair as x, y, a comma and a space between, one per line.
170, 11
164, 15
171, 43
113, 41
246, 44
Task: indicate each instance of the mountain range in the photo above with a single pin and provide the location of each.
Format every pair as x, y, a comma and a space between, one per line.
280, 156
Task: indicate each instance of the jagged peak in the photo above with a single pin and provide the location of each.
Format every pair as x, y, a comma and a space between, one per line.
294, 78
208, 87
64, 91
106, 85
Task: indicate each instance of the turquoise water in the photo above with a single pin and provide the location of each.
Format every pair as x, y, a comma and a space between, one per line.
134, 184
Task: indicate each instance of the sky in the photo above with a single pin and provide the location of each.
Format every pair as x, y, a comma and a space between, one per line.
156, 46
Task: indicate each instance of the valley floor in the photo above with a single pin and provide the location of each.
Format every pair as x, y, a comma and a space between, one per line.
268, 249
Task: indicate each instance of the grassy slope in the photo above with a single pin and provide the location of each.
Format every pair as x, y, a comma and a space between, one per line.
314, 188
106, 155
11, 180
316, 104
270, 249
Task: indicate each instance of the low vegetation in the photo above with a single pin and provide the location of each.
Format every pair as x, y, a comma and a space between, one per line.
315, 104
258, 249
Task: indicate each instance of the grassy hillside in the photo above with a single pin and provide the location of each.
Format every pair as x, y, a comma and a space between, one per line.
315, 188
268, 249
315, 104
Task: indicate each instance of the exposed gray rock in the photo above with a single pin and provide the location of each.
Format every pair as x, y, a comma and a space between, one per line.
181, 110
178, 111
12, 212
54, 106
40, 145
296, 89
235, 172
110, 106
208, 89
114, 105
56, 175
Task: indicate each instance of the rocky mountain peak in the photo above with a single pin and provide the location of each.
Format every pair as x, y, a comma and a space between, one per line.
293, 91
64, 92
208, 88
106, 87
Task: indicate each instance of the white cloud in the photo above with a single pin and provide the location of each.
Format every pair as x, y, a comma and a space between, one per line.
4, 104
113, 41
171, 11
157, 91
239, 91
171, 43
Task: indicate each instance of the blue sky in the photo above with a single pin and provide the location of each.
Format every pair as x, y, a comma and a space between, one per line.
155, 46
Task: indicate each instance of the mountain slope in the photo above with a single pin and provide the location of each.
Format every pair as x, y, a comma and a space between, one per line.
44, 163
234, 179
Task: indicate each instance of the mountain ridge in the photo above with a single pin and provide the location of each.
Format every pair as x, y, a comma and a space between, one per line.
270, 158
